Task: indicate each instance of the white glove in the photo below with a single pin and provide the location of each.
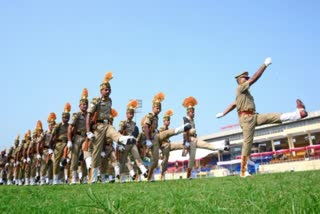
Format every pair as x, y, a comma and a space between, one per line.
50, 151
267, 61
114, 145
124, 139
24, 160
121, 147
7, 164
68, 160
103, 154
88, 162
187, 144
17, 163
219, 115
148, 143
90, 135
28, 160
38, 156
69, 144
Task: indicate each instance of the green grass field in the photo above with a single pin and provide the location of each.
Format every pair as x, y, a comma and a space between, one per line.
297, 192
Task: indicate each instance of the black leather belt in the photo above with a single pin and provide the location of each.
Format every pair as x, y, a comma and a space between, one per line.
102, 121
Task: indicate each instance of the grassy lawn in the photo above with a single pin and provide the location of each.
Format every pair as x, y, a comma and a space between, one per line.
297, 192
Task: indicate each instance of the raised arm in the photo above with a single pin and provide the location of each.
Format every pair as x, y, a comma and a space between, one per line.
228, 109
260, 71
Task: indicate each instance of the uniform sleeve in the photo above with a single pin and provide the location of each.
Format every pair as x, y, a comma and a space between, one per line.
148, 119
243, 87
42, 136
93, 106
121, 125
74, 119
55, 129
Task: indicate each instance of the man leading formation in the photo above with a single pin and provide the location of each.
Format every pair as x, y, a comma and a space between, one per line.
248, 117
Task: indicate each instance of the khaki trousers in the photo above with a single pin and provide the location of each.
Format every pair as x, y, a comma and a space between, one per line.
249, 122
27, 170
33, 163
165, 149
157, 138
10, 170
17, 172
194, 144
58, 153
110, 157
75, 151
1, 172
46, 168
125, 160
101, 133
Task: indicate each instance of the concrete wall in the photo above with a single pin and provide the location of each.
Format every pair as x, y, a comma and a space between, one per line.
304, 165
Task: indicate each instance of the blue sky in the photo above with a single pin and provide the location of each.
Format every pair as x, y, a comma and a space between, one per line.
51, 50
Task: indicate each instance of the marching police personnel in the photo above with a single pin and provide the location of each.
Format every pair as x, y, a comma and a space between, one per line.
109, 162
249, 119
26, 166
77, 136
59, 140
9, 166
129, 128
165, 145
152, 135
31, 153
45, 151
190, 140
3, 160
17, 172
98, 113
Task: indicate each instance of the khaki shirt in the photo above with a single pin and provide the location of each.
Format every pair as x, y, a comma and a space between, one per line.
3, 160
128, 127
25, 147
78, 121
16, 151
61, 131
46, 137
33, 146
152, 120
244, 100
102, 106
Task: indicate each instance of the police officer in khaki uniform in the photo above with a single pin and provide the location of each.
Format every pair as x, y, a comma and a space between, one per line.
3, 160
26, 166
98, 113
190, 139
77, 136
129, 128
45, 151
109, 160
10, 162
165, 145
59, 141
249, 119
17, 175
31, 153
152, 135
